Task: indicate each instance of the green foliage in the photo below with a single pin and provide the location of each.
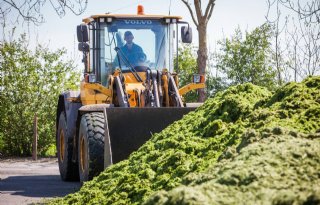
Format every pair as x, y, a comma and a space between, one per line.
215, 84
187, 63
30, 84
248, 59
187, 67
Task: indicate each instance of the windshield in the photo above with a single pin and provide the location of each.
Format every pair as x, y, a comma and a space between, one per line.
134, 43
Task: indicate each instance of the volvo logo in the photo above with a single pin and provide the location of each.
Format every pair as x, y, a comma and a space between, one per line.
138, 22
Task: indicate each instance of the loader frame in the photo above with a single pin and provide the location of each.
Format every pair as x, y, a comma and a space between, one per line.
118, 109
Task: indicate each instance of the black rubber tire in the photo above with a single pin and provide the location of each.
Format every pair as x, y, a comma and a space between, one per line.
68, 169
91, 145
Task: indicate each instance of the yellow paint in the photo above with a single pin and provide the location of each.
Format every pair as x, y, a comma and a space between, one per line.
98, 87
191, 86
129, 77
132, 98
94, 93
129, 16
89, 95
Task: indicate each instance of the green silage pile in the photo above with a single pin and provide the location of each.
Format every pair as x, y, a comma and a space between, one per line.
244, 146
276, 167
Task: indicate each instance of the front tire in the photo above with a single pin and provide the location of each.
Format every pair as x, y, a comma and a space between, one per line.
68, 169
91, 145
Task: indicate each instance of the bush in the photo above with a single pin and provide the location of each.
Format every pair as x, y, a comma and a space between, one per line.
30, 84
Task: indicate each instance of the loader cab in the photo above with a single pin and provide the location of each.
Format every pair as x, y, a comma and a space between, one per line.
156, 35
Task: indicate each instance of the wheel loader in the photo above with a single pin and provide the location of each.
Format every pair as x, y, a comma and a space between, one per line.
121, 102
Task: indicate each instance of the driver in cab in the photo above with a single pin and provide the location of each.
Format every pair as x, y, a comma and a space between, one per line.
130, 51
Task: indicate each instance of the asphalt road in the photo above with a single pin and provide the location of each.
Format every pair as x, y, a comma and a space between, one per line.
24, 181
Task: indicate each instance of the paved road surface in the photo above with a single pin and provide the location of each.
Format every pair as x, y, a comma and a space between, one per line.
23, 181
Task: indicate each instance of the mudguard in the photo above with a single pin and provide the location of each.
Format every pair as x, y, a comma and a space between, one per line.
71, 111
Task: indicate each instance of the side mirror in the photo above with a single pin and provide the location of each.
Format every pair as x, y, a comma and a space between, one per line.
84, 47
186, 34
82, 33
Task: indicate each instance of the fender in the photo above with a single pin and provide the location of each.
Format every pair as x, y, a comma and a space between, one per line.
94, 108
69, 103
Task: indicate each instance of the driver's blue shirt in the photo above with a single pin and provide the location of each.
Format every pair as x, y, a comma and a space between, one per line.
133, 55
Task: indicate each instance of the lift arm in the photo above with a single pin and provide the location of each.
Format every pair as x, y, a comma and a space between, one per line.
191, 86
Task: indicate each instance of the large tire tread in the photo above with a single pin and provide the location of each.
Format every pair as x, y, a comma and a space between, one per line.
94, 131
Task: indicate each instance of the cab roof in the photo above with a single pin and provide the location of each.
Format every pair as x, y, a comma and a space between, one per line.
129, 16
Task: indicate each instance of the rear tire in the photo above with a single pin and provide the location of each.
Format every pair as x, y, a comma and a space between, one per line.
91, 145
68, 169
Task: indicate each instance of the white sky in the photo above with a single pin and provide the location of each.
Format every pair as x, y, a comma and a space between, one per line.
227, 15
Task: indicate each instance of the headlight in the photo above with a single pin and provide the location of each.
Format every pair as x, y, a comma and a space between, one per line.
196, 78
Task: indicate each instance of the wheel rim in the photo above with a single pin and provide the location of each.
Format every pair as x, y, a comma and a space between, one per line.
61, 145
82, 154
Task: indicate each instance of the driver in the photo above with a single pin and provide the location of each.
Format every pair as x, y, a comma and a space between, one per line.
132, 51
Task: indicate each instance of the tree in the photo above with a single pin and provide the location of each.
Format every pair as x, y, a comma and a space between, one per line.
187, 66
277, 49
214, 81
201, 20
30, 10
297, 41
30, 83
308, 10
249, 59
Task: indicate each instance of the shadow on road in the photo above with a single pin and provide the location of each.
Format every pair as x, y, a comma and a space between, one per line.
41, 186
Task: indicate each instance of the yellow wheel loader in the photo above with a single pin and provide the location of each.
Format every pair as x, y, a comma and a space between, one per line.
129, 90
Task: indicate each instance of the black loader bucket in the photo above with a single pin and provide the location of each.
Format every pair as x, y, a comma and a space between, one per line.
127, 129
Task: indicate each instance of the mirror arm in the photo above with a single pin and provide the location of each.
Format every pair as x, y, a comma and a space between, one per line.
184, 22
85, 61
177, 58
